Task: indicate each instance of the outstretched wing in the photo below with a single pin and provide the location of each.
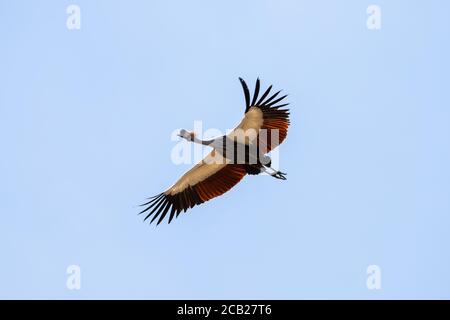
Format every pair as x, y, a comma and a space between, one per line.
210, 178
264, 115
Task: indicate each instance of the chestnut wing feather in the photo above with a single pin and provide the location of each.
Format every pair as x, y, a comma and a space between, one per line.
205, 181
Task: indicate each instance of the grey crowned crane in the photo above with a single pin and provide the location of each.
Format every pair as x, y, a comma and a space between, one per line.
241, 152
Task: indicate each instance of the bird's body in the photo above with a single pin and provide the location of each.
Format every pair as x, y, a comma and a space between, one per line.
241, 152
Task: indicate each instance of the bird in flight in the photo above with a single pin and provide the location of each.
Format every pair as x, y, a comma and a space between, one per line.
233, 156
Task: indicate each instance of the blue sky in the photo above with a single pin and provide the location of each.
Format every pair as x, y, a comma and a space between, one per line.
85, 123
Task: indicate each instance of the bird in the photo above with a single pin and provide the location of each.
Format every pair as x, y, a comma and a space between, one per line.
241, 152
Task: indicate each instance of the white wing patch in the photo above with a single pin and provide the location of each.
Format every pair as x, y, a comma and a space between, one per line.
247, 131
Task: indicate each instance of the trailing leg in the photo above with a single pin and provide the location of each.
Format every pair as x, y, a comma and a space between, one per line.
274, 173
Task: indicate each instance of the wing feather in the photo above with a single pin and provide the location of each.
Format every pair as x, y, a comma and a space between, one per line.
202, 183
266, 115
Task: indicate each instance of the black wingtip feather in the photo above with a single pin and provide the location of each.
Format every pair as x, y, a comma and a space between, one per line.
150, 206
153, 200
160, 210
275, 101
256, 93
271, 98
172, 212
264, 95
246, 94
263, 101
155, 206
168, 205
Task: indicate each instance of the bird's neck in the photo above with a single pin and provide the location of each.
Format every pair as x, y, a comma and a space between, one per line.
203, 142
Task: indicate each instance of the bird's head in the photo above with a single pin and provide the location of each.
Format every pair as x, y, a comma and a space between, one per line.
189, 136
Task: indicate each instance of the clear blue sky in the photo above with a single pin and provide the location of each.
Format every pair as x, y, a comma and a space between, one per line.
85, 123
